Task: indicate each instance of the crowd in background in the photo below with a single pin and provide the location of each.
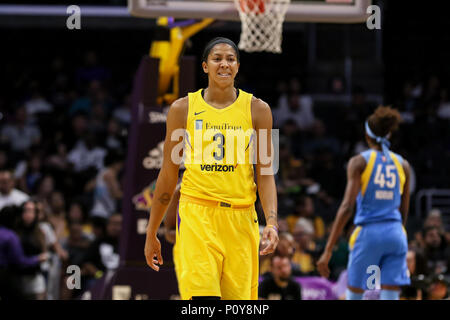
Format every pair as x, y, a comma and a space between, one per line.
62, 151
315, 146
63, 146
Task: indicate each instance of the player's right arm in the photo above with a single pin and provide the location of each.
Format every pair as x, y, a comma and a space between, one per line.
354, 170
166, 182
170, 220
404, 206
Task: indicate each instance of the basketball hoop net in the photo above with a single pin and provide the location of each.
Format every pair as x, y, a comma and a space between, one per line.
262, 24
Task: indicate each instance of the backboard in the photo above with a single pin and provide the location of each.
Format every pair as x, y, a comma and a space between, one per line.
331, 11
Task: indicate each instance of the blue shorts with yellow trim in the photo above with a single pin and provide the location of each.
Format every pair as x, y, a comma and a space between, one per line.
217, 251
383, 244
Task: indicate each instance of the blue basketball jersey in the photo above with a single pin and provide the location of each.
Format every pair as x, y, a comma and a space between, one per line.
382, 185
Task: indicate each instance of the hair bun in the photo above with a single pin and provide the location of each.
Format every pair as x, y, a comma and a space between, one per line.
384, 120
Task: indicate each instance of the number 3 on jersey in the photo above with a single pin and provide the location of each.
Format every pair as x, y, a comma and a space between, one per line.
219, 156
390, 176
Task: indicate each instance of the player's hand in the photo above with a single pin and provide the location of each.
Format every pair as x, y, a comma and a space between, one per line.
269, 240
322, 264
152, 252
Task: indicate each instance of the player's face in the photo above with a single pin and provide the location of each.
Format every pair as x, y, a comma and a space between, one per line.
222, 65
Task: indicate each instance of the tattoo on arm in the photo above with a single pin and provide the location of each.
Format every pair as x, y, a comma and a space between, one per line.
165, 198
272, 215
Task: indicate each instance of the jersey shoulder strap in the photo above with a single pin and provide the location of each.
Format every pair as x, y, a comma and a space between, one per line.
370, 157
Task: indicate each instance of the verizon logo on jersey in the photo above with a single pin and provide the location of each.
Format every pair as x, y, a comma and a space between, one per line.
384, 195
217, 167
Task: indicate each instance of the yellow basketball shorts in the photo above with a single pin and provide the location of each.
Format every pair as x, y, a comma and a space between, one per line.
217, 251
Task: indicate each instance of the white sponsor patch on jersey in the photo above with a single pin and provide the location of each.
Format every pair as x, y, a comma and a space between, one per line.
384, 195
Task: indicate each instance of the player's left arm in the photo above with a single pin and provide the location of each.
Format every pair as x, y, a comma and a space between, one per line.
262, 123
355, 168
404, 205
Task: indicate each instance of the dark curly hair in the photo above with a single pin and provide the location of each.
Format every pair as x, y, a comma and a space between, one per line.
384, 120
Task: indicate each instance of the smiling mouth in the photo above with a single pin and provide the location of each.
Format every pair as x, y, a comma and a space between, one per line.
224, 74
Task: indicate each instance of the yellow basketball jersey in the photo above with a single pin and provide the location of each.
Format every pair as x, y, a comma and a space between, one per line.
219, 153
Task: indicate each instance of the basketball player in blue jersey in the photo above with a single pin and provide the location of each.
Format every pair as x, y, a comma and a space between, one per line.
378, 181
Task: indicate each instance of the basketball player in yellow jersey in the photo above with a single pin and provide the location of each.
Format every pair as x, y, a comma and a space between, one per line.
217, 234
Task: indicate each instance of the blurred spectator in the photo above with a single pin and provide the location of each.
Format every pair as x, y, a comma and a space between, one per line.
8, 194
287, 165
76, 131
417, 270
59, 85
339, 259
12, 256
305, 209
443, 111
51, 269
57, 214
4, 161
123, 112
29, 173
103, 254
114, 135
20, 135
436, 251
76, 244
33, 241
81, 104
328, 171
98, 119
305, 247
433, 89
37, 104
295, 106
438, 288
283, 226
407, 103
280, 285
360, 108
77, 213
320, 140
93, 95
107, 190
87, 154
291, 180
91, 70
336, 85
45, 188
416, 263
433, 219
58, 160
285, 248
